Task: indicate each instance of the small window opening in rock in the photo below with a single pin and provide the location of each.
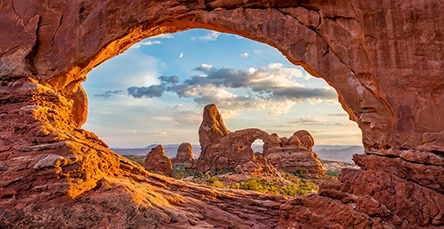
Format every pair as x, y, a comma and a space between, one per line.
258, 145
154, 93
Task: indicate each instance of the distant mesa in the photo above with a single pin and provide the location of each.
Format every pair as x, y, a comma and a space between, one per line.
157, 161
223, 149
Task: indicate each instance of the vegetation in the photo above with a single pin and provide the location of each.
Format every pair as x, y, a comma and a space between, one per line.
297, 183
215, 182
222, 171
179, 171
333, 173
300, 173
269, 186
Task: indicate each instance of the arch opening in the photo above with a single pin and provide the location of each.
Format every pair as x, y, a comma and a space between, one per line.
258, 146
172, 76
394, 90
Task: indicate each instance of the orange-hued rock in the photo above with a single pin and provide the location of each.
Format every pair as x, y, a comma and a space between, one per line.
157, 161
212, 127
184, 155
231, 149
384, 59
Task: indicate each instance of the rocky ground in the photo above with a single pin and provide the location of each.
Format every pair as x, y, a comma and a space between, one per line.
385, 61
259, 178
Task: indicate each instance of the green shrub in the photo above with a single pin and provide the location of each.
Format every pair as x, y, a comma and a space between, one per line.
296, 188
251, 184
222, 171
300, 172
179, 172
333, 173
215, 182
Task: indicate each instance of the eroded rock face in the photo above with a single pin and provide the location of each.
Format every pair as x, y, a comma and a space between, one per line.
384, 60
212, 127
184, 155
293, 154
157, 161
222, 151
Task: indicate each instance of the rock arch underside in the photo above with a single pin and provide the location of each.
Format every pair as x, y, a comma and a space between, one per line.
384, 58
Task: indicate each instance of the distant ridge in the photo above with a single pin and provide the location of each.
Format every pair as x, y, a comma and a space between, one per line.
338, 152
342, 153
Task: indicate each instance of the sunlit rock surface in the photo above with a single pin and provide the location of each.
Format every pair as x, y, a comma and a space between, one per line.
384, 59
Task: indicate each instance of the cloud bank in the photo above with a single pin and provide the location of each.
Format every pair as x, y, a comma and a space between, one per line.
274, 88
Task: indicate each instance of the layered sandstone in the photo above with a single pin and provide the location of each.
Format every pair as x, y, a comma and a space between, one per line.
293, 154
384, 59
232, 149
157, 161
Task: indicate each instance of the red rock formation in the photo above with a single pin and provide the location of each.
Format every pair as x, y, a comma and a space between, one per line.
212, 127
384, 60
157, 161
293, 154
184, 155
234, 148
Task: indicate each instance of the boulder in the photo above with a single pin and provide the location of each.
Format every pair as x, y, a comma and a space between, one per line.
157, 161
184, 155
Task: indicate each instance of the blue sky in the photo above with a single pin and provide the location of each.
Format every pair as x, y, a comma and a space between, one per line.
154, 93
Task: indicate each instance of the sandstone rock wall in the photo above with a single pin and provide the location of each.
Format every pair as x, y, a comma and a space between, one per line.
231, 149
385, 60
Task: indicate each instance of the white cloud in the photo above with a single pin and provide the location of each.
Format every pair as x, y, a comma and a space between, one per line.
206, 68
181, 55
146, 43
152, 40
187, 118
156, 133
274, 88
212, 36
244, 55
163, 36
309, 121
257, 52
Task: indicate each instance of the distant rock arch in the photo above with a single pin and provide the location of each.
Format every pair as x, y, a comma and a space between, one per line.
232, 149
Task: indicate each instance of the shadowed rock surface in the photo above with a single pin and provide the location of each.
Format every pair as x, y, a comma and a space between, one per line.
384, 59
231, 149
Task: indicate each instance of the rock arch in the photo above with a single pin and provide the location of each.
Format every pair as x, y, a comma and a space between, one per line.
384, 60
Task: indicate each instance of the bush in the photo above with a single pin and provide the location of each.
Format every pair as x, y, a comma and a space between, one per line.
300, 172
215, 182
179, 171
252, 184
222, 171
333, 173
297, 188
